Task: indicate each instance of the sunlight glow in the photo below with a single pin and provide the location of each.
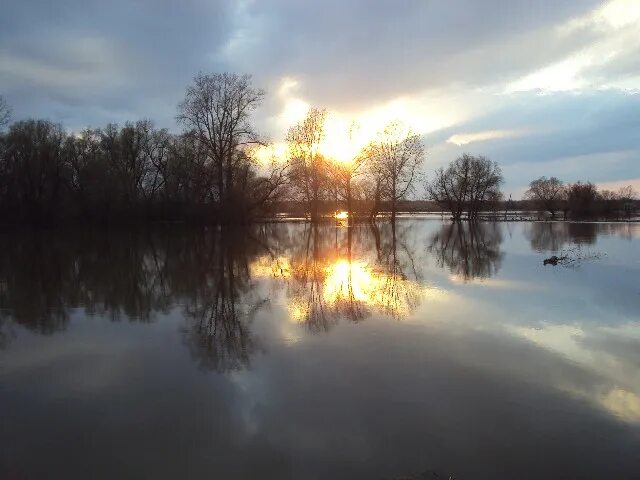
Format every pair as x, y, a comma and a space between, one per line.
356, 281
267, 154
466, 138
347, 133
620, 13
350, 280
333, 285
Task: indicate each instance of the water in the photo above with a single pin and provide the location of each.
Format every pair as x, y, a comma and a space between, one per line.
288, 352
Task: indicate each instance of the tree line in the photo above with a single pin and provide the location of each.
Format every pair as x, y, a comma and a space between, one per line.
212, 170
136, 170
580, 199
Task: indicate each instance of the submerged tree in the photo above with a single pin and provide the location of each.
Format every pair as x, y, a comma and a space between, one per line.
547, 193
308, 164
346, 174
581, 198
394, 161
627, 195
468, 183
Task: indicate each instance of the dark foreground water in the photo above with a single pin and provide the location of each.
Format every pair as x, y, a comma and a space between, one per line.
288, 352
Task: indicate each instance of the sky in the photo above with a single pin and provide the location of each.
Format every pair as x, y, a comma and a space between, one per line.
545, 87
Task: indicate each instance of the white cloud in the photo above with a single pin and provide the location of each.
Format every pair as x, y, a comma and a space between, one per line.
615, 32
467, 138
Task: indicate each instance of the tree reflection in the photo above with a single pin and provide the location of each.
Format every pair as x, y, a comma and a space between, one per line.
351, 273
214, 279
469, 250
221, 300
400, 288
553, 236
36, 283
310, 263
136, 275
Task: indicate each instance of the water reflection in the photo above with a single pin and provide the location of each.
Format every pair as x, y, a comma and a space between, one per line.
468, 250
220, 299
136, 276
328, 272
330, 352
554, 236
347, 273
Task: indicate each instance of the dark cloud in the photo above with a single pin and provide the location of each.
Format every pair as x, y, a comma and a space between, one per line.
353, 51
89, 62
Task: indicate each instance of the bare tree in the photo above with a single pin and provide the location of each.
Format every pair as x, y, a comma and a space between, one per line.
627, 196
217, 110
33, 170
5, 112
395, 157
155, 150
350, 170
582, 198
304, 141
548, 193
467, 184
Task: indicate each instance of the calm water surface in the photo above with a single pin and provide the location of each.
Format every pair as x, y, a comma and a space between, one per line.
289, 352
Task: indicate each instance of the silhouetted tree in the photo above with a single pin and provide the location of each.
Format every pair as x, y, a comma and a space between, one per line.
309, 170
33, 170
627, 196
467, 184
582, 198
217, 110
346, 174
547, 193
395, 158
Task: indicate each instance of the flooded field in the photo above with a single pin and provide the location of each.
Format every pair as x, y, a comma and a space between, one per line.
297, 352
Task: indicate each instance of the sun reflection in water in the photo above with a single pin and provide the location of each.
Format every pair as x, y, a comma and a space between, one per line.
349, 280
340, 287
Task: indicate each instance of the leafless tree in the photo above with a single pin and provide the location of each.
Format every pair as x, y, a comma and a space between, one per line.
33, 173
394, 159
466, 185
346, 173
155, 151
308, 173
548, 193
582, 198
627, 195
217, 109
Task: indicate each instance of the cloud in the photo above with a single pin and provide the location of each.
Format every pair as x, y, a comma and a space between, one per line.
94, 62
618, 184
460, 139
609, 60
523, 83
